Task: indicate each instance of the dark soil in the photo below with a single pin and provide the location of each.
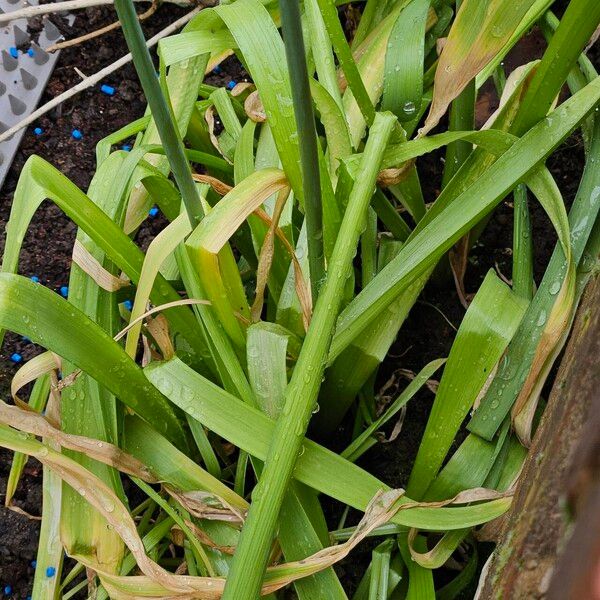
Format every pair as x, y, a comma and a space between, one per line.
47, 251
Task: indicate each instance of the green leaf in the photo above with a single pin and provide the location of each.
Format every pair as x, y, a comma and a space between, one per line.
485, 331
211, 254
537, 9
299, 539
47, 319
263, 53
266, 352
171, 465
420, 579
380, 571
517, 363
317, 467
404, 58
88, 408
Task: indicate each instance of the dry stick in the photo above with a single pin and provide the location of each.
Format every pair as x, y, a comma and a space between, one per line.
98, 32
66, 6
94, 79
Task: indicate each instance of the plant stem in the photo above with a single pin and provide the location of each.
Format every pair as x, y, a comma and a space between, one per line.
522, 272
250, 560
167, 131
307, 134
461, 119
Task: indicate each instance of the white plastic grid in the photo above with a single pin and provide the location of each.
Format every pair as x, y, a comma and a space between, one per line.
24, 72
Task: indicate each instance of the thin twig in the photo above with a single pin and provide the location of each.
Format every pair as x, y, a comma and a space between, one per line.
96, 77
98, 32
66, 6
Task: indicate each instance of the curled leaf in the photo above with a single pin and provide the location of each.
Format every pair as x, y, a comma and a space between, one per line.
254, 108
219, 186
265, 260
33, 369
87, 263
109, 454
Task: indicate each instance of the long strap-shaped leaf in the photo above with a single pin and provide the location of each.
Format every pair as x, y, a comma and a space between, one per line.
172, 466
88, 408
263, 53
420, 579
40, 180
44, 317
204, 34
344, 54
322, 53
365, 77
537, 10
578, 24
426, 247
403, 79
317, 467
160, 248
298, 536
485, 331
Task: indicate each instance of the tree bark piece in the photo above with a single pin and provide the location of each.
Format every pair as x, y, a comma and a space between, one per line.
560, 480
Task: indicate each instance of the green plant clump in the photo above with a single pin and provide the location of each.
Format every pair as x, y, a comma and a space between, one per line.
208, 369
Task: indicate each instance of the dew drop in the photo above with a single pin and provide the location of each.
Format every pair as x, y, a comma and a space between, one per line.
409, 108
